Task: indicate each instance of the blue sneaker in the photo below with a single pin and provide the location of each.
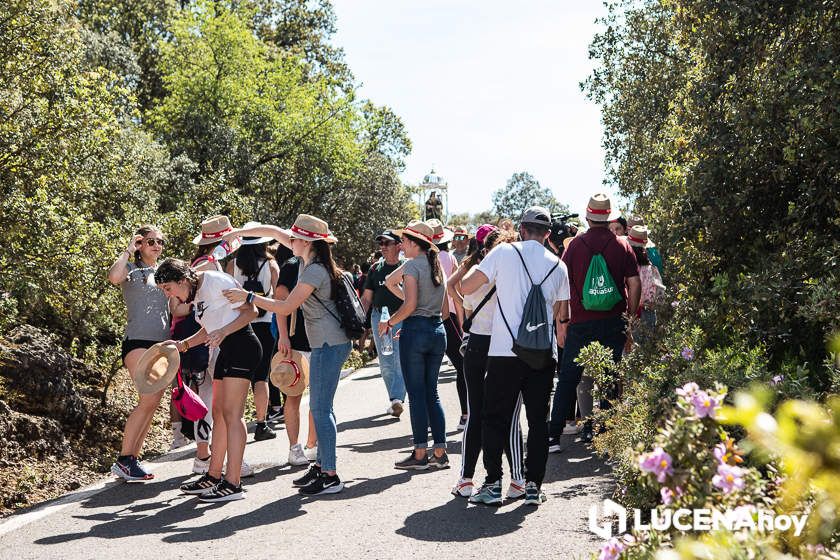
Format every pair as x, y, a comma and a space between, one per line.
533, 495
489, 494
130, 470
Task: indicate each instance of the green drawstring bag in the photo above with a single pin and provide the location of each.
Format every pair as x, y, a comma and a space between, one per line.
599, 290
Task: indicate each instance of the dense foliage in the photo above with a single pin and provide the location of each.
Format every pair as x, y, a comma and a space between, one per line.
118, 113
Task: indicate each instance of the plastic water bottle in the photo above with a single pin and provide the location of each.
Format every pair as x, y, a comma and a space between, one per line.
387, 339
224, 249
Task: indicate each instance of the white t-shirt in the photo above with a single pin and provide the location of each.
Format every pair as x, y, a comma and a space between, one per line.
502, 266
265, 279
212, 309
482, 323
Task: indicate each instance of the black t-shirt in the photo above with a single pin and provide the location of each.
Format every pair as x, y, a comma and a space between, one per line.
382, 296
288, 278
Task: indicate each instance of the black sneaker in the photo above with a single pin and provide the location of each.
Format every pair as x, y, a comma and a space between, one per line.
586, 433
311, 475
324, 484
264, 432
224, 492
554, 445
441, 462
412, 464
201, 486
276, 415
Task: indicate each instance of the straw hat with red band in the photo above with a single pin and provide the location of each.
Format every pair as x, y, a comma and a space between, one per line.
310, 228
600, 209
440, 234
420, 231
212, 230
290, 374
638, 236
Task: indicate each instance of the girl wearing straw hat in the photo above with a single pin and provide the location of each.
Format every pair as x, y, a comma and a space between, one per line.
148, 324
228, 327
422, 341
320, 279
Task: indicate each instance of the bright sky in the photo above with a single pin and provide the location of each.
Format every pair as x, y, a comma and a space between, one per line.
485, 89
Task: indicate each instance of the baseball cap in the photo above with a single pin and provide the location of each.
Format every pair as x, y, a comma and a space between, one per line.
537, 215
388, 235
484, 231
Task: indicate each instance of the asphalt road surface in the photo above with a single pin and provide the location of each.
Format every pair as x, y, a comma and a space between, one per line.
383, 513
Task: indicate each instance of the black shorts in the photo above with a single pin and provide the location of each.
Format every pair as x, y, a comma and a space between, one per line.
129, 345
239, 355
267, 342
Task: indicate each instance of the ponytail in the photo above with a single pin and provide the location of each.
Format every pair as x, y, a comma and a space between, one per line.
437, 275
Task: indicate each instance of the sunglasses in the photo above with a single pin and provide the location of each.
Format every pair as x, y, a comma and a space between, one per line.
460, 238
152, 241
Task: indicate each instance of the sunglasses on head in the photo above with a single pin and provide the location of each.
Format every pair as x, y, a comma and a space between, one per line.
151, 241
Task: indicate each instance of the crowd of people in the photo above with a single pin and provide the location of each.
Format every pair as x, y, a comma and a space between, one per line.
509, 307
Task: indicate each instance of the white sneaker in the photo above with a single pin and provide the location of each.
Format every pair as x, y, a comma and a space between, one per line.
345, 372
516, 489
246, 470
571, 429
311, 453
201, 467
296, 456
464, 488
462, 423
178, 440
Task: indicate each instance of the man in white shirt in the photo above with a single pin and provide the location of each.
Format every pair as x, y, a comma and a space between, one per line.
508, 375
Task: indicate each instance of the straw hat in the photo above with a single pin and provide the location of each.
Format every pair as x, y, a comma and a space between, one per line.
600, 209
310, 228
440, 234
290, 374
212, 230
461, 230
157, 368
421, 231
254, 240
638, 236
635, 220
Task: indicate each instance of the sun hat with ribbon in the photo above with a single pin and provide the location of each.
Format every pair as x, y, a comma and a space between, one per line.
254, 240
212, 230
310, 228
440, 234
157, 368
638, 236
600, 209
421, 231
290, 373
635, 220
461, 230
483, 231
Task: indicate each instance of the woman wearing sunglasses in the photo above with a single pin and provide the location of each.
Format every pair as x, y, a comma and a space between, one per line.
148, 324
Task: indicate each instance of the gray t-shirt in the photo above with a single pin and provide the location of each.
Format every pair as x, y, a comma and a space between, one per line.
429, 296
148, 308
322, 327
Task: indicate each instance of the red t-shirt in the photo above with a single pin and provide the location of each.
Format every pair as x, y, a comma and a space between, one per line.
621, 262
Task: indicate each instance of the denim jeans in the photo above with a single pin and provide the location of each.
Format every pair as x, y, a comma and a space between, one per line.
422, 345
324, 371
388, 365
610, 333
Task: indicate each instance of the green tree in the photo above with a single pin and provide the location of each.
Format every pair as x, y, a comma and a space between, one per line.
522, 191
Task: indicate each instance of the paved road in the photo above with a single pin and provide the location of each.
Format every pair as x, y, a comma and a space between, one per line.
383, 513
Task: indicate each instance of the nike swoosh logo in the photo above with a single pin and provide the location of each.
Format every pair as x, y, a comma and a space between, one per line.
531, 328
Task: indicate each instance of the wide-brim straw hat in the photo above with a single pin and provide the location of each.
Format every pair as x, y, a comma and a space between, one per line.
638, 236
254, 240
310, 228
157, 368
440, 234
600, 209
421, 231
212, 230
290, 374
635, 220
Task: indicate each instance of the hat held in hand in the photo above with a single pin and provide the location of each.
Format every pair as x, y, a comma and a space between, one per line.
290, 374
157, 368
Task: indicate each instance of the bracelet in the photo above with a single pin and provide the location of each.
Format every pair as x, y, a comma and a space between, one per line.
250, 297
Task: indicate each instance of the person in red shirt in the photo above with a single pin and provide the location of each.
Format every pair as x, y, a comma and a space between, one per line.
606, 327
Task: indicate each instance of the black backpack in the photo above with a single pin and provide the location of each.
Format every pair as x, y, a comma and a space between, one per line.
351, 313
253, 284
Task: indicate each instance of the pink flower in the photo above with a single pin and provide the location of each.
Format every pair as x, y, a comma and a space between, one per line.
777, 379
667, 495
720, 453
612, 549
687, 354
729, 478
704, 404
657, 462
688, 389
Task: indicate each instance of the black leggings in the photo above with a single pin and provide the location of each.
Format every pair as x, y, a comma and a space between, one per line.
475, 367
454, 338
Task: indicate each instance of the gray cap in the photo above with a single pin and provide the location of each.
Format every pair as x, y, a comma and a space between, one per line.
537, 215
